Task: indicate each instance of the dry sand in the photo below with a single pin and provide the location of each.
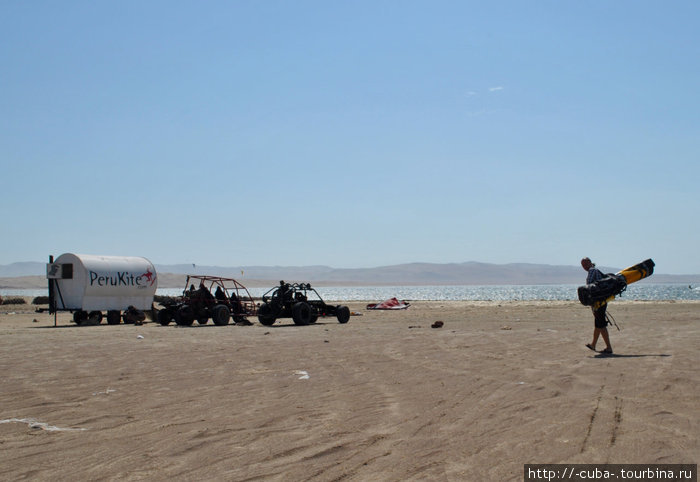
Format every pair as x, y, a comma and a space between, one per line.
385, 397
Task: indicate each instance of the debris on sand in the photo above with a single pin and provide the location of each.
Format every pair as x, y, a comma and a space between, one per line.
41, 425
390, 304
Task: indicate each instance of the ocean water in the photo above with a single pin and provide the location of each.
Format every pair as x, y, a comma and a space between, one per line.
638, 291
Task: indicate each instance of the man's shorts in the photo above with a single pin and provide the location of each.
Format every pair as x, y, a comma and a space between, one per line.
599, 315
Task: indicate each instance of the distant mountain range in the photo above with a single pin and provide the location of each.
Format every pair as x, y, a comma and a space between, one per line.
469, 273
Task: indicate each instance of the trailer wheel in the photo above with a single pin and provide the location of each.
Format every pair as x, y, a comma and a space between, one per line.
343, 314
164, 317
80, 317
221, 315
301, 313
113, 317
95, 317
265, 315
184, 316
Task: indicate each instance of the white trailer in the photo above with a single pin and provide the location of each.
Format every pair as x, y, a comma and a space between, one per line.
87, 285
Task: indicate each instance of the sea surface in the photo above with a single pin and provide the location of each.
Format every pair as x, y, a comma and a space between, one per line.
638, 291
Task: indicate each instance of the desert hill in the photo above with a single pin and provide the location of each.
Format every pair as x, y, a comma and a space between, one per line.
29, 275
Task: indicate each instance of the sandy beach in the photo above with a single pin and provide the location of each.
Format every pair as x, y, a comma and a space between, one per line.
384, 397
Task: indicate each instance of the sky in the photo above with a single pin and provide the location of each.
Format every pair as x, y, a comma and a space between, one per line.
351, 133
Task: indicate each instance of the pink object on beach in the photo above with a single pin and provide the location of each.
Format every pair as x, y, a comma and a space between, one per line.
390, 304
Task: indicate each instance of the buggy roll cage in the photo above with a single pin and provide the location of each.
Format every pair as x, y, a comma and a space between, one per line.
300, 291
229, 286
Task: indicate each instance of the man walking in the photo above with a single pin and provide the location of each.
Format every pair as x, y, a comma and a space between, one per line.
599, 318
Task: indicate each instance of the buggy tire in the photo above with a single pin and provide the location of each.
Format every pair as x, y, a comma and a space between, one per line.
314, 315
184, 316
113, 317
221, 315
202, 320
265, 315
80, 317
301, 313
94, 318
343, 314
133, 317
164, 317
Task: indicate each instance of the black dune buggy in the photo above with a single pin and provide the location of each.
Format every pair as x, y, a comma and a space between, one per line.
292, 301
230, 300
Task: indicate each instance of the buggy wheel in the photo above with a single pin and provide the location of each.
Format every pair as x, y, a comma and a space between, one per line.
202, 320
314, 315
184, 316
301, 313
221, 315
95, 317
113, 317
133, 316
165, 317
265, 315
343, 314
80, 317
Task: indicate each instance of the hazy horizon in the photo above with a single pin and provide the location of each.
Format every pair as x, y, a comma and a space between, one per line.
39, 267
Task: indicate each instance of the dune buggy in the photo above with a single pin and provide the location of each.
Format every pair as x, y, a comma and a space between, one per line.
230, 300
298, 301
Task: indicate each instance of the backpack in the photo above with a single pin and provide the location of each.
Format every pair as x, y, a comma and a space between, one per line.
610, 285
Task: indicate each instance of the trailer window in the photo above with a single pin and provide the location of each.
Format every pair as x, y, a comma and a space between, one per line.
67, 271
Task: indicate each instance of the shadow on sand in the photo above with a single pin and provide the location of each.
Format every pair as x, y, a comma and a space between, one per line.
617, 355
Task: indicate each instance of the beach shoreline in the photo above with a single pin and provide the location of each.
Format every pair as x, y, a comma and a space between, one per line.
384, 397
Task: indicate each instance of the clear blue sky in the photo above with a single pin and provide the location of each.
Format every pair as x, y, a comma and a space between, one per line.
352, 133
